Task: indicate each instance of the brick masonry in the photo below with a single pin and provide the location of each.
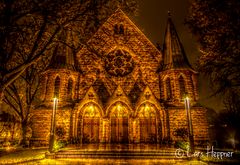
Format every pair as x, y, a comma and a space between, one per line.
95, 88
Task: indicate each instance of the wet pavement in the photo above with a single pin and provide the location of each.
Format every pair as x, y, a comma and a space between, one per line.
114, 154
113, 161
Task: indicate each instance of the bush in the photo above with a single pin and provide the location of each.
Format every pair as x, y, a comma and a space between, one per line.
181, 144
60, 132
182, 133
59, 144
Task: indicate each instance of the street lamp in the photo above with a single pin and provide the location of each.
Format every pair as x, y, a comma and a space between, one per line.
189, 121
52, 131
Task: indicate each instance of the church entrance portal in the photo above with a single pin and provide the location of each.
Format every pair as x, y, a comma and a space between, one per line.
119, 124
147, 124
91, 123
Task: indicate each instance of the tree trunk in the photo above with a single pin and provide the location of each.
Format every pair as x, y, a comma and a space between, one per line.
23, 141
13, 131
1, 95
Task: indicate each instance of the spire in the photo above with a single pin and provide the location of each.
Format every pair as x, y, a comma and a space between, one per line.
62, 57
174, 56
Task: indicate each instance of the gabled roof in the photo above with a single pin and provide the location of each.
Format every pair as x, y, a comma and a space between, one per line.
104, 40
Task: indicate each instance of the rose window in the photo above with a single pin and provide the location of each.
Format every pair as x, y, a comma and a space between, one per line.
119, 63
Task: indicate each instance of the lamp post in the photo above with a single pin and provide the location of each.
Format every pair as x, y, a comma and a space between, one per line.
189, 121
52, 131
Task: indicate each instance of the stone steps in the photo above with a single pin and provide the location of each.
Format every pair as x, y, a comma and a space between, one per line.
126, 154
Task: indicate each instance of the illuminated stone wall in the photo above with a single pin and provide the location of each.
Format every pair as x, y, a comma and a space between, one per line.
47, 85
42, 122
178, 119
120, 66
191, 86
106, 41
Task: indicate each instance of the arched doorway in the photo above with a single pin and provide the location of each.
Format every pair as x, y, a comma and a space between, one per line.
147, 123
91, 124
119, 123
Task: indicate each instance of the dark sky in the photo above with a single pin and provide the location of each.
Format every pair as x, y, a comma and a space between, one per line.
152, 18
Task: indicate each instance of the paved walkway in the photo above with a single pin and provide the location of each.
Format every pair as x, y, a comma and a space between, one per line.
37, 155
22, 155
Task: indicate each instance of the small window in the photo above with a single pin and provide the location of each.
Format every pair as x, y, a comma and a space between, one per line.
70, 88
115, 29
118, 29
57, 87
168, 88
121, 29
182, 86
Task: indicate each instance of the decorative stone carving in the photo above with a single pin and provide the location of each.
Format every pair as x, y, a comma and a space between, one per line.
119, 63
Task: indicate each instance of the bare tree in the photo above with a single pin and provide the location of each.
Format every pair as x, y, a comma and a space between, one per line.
21, 96
216, 23
29, 28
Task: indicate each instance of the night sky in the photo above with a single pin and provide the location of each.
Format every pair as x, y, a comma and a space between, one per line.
152, 18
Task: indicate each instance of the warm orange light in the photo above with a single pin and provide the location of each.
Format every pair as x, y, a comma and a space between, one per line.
91, 107
55, 100
118, 106
146, 108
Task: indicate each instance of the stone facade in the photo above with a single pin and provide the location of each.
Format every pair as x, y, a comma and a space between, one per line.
120, 89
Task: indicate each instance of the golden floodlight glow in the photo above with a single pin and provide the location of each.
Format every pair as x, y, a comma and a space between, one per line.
147, 107
55, 100
121, 88
118, 106
91, 107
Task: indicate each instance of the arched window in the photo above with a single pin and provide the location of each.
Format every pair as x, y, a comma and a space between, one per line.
182, 88
193, 86
57, 87
118, 29
121, 29
168, 89
70, 88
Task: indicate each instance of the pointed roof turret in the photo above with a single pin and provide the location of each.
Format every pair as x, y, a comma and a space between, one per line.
174, 56
62, 57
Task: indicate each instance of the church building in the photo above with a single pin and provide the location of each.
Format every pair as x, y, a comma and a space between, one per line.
120, 88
